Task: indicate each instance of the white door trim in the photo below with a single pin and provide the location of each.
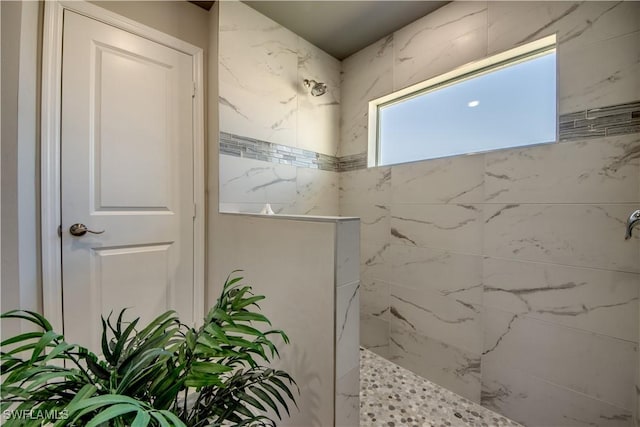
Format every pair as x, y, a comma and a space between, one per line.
50, 148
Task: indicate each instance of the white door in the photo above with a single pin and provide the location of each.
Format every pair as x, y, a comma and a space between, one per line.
127, 170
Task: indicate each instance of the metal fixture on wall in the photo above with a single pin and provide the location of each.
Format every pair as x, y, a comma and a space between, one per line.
633, 220
317, 88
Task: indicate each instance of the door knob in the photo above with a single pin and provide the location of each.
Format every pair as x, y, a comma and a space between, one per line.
81, 230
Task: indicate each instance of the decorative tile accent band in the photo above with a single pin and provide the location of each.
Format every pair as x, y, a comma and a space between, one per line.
619, 119
352, 162
241, 146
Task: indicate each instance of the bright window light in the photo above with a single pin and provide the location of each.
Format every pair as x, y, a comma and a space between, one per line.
504, 101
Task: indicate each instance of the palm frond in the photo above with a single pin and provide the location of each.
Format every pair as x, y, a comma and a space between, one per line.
164, 374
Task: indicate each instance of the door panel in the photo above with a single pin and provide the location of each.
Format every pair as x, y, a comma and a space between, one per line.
114, 269
127, 169
140, 84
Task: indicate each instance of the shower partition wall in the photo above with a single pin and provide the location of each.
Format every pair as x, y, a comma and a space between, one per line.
308, 269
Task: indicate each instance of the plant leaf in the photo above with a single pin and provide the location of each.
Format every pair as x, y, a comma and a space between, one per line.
278, 382
249, 301
57, 350
122, 339
249, 316
141, 420
20, 338
161, 419
210, 368
46, 338
250, 400
30, 316
97, 370
275, 393
173, 418
112, 412
265, 398
106, 351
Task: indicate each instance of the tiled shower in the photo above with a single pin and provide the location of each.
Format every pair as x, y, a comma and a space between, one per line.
504, 276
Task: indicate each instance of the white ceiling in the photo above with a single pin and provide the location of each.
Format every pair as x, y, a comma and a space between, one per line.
342, 28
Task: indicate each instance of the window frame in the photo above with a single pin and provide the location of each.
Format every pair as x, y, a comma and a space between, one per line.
468, 71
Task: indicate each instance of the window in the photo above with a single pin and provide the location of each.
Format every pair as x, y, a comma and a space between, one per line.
507, 100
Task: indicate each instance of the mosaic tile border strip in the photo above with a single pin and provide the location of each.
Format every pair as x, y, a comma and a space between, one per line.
621, 119
241, 146
352, 162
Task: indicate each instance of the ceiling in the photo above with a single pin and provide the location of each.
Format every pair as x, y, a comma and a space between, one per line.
206, 5
342, 28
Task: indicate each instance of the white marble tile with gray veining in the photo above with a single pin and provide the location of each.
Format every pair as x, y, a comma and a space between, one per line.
258, 75
347, 252
457, 179
253, 181
512, 23
533, 401
366, 75
366, 186
587, 81
452, 275
599, 301
573, 234
318, 116
456, 228
456, 370
374, 221
316, 192
445, 39
606, 172
347, 327
348, 399
598, 366
374, 298
428, 313
253, 208
374, 334
375, 261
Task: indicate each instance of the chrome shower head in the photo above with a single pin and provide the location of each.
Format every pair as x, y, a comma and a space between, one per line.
317, 88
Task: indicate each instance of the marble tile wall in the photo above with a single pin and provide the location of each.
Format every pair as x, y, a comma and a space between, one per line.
366, 75
261, 96
247, 184
587, 32
636, 412
347, 323
505, 276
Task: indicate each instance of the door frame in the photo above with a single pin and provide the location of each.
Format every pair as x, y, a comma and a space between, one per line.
50, 165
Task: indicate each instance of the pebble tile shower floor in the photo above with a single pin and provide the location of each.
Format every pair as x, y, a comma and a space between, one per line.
391, 396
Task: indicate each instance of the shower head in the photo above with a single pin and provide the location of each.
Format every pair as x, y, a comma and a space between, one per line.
317, 89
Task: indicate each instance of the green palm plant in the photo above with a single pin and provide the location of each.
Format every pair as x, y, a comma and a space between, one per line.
163, 374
